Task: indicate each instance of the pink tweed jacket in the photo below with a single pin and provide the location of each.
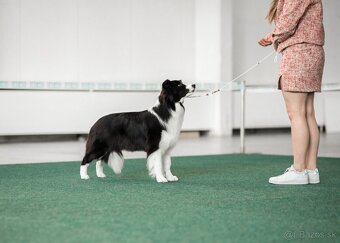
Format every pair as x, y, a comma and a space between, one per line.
298, 21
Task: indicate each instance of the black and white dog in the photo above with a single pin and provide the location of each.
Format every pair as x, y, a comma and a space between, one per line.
154, 131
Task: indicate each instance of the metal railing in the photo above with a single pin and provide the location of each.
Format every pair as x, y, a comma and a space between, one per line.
243, 88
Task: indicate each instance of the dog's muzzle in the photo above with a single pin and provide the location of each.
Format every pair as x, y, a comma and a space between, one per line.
191, 88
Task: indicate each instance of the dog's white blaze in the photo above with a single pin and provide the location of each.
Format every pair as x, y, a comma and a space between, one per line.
190, 88
116, 162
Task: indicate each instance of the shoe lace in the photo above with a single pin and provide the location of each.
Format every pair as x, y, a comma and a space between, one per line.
290, 168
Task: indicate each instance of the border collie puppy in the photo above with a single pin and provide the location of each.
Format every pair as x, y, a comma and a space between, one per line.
154, 131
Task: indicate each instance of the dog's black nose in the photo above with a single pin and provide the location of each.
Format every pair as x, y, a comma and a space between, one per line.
194, 86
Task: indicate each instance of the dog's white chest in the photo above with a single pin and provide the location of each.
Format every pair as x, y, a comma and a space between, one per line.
173, 128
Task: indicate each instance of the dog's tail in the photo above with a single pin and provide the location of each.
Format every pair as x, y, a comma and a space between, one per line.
116, 162
89, 149
94, 149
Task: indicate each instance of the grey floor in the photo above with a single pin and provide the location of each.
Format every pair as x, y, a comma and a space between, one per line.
274, 143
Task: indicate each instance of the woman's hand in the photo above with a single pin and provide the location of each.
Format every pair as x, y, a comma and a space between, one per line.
266, 41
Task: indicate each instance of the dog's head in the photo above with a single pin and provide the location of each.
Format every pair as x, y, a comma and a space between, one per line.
174, 91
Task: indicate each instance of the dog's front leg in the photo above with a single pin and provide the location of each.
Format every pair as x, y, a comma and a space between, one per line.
167, 167
155, 166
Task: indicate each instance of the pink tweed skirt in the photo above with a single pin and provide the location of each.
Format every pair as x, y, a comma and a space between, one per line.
301, 68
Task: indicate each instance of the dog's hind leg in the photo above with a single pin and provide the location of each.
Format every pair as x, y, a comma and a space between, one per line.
99, 169
116, 162
155, 166
83, 172
100, 165
88, 158
84, 165
166, 167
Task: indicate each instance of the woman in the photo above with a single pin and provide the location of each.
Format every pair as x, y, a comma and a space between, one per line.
299, 36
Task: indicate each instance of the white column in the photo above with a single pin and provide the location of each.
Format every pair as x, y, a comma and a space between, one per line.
213, 60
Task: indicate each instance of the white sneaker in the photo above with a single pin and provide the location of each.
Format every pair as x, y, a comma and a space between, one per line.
290, 177
313, 176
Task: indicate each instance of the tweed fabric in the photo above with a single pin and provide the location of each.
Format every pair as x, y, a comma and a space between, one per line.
298, 21
299, 35
301, 68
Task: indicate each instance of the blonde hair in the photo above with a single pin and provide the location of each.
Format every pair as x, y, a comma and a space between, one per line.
272, 11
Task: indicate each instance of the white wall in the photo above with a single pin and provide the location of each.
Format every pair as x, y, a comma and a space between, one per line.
146, 41
107, 40
332, 51
213, 25
249, 27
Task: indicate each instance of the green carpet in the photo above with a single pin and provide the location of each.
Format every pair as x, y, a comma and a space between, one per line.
222, 198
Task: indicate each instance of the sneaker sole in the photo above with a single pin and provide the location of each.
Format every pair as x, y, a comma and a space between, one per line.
289, 183
314, 179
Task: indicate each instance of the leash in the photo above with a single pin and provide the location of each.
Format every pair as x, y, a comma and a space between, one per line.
233, 80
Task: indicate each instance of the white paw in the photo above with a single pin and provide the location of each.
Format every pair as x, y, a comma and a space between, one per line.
161, 179
172, 178
101, 175
84, 177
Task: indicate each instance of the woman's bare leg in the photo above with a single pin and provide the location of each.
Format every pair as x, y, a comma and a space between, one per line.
296, 105
314, 134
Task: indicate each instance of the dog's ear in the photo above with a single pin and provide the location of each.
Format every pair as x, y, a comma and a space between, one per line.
166, 84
